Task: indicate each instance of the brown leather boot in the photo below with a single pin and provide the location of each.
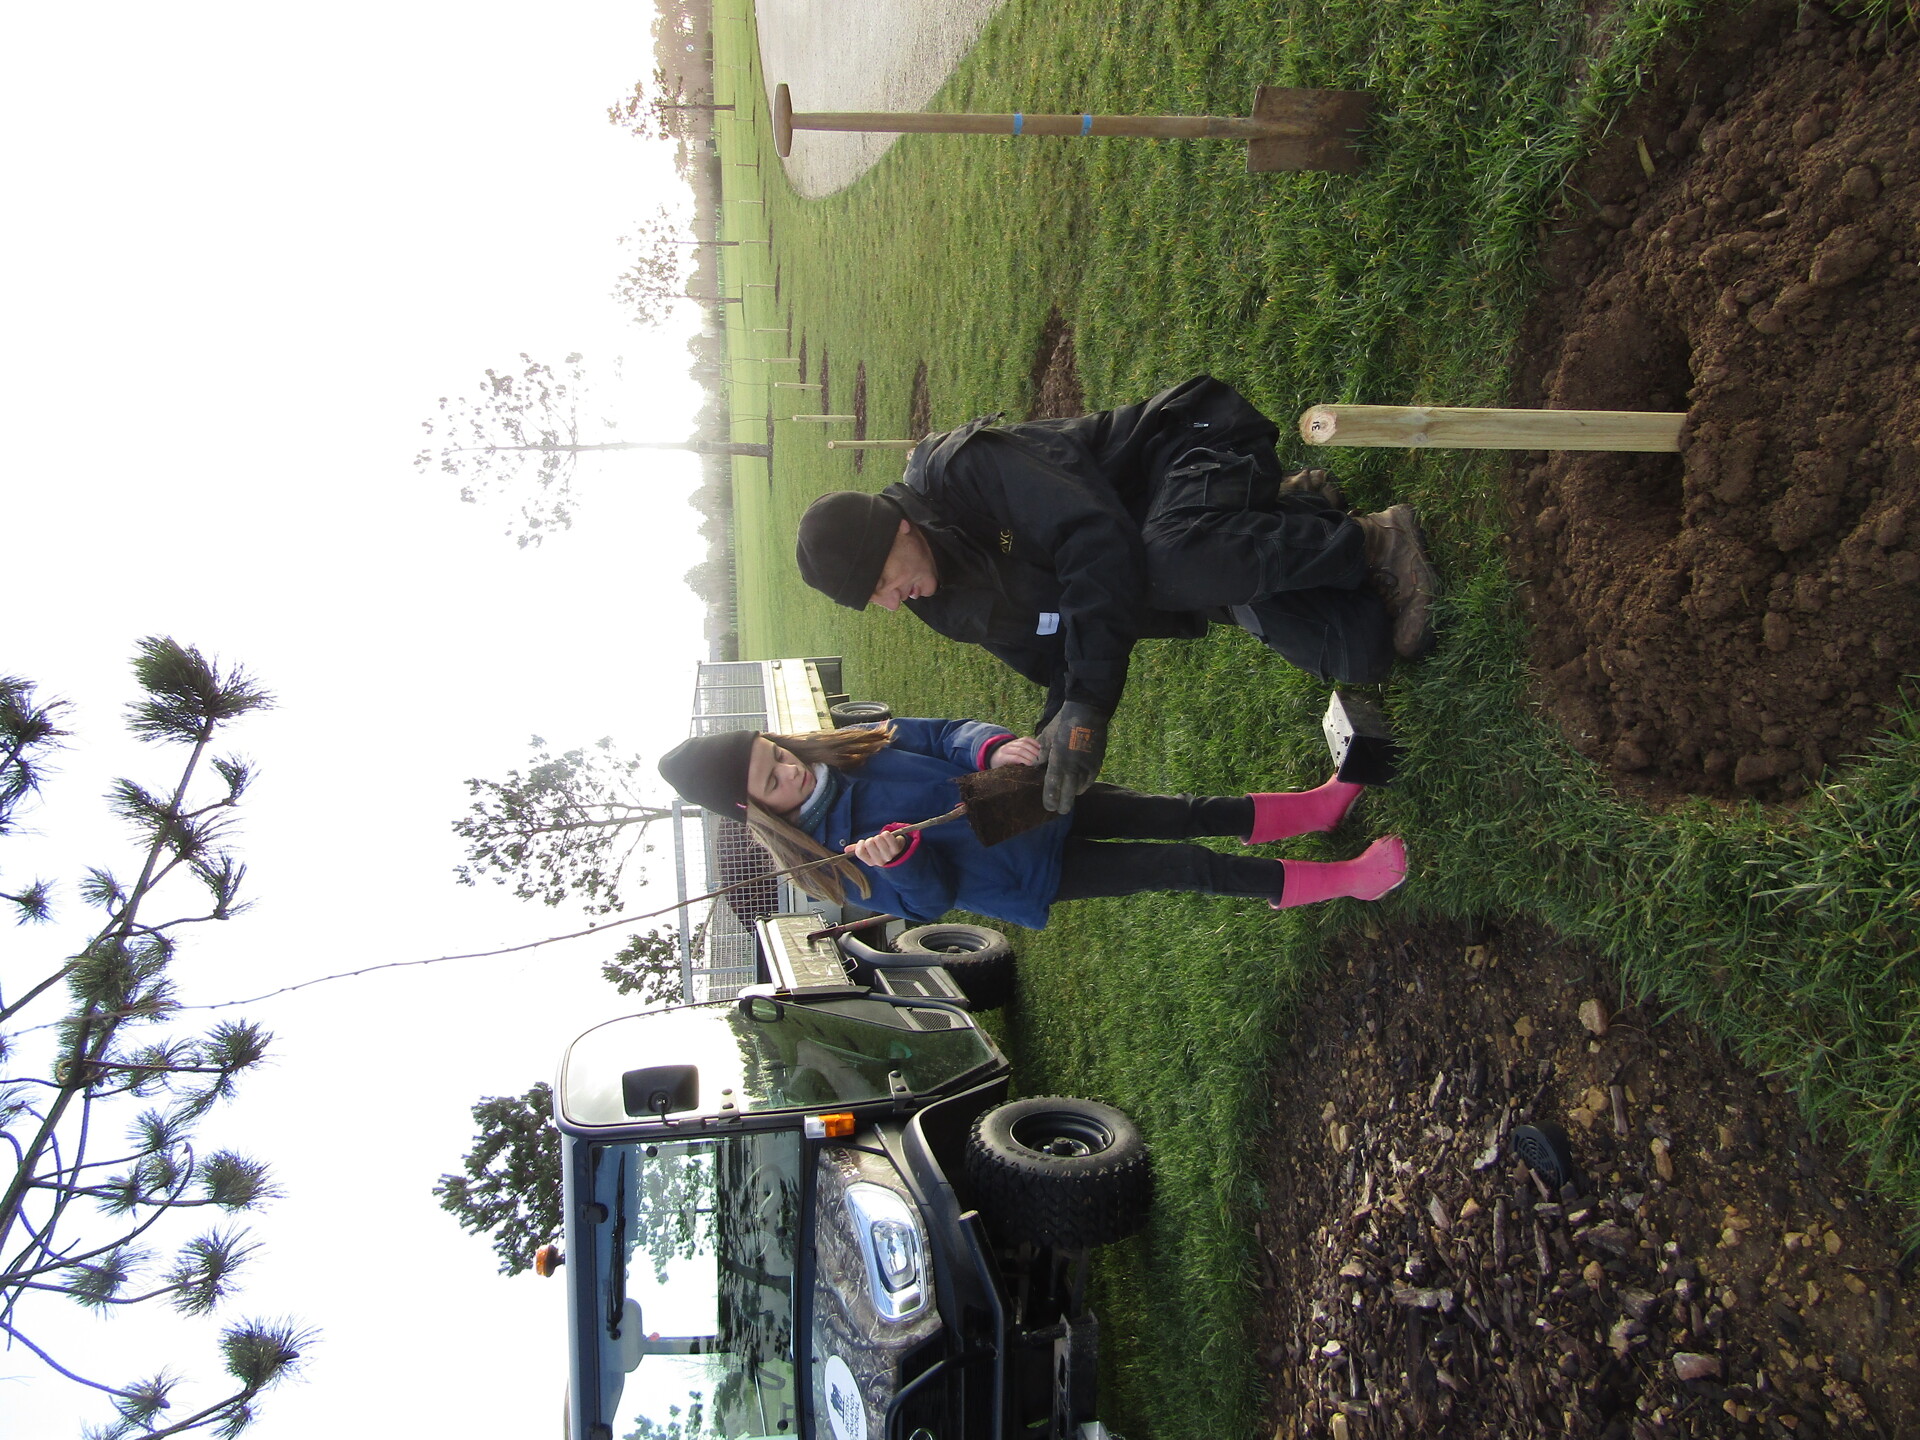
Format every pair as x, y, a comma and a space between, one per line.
1403, 576
1320, 484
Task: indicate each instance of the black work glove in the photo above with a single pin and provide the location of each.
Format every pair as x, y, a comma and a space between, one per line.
1071, 747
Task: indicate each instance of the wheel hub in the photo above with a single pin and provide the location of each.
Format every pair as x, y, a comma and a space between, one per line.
1065, 1137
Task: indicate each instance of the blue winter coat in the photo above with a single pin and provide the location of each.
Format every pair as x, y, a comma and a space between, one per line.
948, 869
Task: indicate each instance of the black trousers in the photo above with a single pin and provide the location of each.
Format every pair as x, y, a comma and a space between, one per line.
1292, 569
1097, 863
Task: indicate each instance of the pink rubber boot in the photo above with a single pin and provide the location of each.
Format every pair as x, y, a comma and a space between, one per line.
1299, 812
1381, 867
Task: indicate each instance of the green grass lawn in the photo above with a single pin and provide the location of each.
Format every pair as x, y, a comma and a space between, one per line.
1788, 932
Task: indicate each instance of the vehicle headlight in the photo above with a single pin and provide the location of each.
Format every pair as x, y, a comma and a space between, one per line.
897, 1250
893, 1247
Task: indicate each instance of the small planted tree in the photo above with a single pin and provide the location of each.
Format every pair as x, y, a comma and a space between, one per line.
656, 281
663, 108
524, 432
101, 1095
563, 828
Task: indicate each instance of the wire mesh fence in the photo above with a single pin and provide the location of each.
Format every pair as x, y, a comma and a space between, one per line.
718, 950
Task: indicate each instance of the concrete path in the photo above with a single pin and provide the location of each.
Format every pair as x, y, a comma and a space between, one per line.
859, 55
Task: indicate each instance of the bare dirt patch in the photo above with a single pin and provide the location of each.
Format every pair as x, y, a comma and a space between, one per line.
919, 405
1420, 1282
1734, 619
1054, 382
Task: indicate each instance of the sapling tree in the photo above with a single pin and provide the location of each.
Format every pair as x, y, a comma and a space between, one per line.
524, 432
662, 108
656, 281
563, 828
100, 1095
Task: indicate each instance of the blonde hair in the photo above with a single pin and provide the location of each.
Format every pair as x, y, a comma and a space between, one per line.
845, 749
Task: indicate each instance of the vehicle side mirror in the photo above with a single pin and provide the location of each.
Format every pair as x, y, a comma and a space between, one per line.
661, 1090
761, 1010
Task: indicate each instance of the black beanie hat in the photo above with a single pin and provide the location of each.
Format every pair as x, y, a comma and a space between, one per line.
843, 544
711, 770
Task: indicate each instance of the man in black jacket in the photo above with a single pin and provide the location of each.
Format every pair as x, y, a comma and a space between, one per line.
1055, 544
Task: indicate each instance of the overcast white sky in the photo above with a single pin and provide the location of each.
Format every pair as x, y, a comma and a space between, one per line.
248, 246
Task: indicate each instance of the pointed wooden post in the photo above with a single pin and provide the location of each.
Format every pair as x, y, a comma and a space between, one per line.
829, 419
1442, 427
1288, 130
871, 444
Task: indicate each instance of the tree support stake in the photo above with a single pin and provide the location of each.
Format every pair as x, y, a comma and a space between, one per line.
1288, 130
1444, 427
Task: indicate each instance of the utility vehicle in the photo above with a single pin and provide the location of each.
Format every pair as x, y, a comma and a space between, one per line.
811, 1211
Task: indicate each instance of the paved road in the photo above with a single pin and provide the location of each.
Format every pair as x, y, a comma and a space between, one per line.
859, 55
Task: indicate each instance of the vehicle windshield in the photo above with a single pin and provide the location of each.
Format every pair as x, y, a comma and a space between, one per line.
802, 1057
693, 1289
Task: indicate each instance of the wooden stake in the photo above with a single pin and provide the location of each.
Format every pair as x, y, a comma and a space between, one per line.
871, 444
795, 385
1451, 428
826, 419
1288, 130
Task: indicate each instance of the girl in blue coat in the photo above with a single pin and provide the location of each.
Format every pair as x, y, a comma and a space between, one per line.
847, 792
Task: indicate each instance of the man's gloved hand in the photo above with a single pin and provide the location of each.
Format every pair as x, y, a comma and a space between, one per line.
1071, 747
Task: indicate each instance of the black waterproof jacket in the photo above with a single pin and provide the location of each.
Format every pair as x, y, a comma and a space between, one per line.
1035, 529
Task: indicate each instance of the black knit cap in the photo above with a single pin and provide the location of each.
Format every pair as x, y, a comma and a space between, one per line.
711, 770
843, 545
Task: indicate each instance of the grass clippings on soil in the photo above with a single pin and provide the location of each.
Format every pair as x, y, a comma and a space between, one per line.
1419, 1282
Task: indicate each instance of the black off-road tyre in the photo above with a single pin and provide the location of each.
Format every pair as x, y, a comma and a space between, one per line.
860, 712
979, 960
1059, 1172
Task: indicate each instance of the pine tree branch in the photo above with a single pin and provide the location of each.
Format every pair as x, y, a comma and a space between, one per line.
83, 1049
56, 1365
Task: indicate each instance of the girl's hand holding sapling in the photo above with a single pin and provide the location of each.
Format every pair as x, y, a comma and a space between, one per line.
881, 849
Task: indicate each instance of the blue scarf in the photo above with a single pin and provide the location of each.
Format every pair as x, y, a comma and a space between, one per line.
826, 785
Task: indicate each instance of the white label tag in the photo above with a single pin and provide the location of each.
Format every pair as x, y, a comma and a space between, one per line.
846, 1411
1049, 622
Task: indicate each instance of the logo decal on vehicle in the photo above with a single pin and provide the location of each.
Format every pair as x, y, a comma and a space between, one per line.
845, 1409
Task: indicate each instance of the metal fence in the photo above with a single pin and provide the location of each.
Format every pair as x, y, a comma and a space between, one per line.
718, 951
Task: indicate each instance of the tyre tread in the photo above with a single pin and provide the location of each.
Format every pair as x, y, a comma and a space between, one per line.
1027, 1198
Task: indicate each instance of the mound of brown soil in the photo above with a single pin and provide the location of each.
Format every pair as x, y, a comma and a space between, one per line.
1734, 619
1709, 1273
